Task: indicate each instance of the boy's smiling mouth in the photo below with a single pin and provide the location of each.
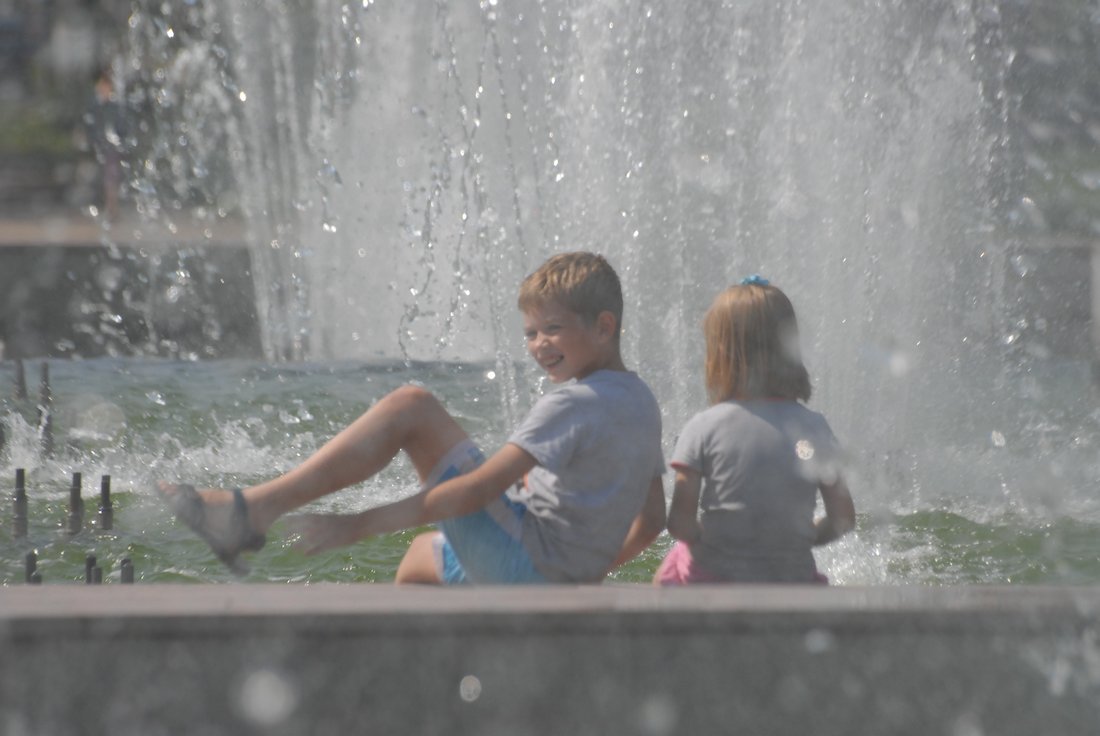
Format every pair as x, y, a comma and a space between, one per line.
567, 346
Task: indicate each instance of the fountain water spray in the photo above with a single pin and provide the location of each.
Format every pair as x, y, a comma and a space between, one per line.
402, 166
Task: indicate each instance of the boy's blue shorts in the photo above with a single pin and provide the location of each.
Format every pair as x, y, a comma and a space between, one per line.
483, 547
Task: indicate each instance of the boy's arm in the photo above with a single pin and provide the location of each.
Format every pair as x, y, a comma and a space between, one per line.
649, 522
683, 512
458, 496
840, 512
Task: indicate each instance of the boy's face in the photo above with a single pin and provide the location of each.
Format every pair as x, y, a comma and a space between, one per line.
564, 345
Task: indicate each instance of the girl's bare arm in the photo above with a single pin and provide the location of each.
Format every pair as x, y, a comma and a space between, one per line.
840, 512
683, 512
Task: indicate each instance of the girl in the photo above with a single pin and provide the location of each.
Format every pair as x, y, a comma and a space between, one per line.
757, 458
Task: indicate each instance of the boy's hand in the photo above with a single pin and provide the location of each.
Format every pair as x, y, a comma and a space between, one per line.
320, 532
649, 522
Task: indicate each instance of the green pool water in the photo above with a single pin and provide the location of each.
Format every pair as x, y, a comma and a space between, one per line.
226, 423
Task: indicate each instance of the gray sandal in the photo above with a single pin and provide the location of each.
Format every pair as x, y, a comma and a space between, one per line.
189, 508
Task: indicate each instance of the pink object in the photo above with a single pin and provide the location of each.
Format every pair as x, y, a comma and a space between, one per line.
678, 568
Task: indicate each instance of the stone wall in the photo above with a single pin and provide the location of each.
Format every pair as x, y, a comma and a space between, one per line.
93, 300
380, 659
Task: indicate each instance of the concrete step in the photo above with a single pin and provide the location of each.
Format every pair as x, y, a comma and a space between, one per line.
613, 659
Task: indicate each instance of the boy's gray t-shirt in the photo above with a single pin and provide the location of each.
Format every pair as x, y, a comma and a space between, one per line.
761, 463
597, 442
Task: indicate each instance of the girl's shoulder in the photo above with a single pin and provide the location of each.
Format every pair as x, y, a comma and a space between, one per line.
794, 410
768, 410
720, 414
756, 406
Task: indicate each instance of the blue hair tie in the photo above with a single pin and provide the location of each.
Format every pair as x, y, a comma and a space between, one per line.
754, 280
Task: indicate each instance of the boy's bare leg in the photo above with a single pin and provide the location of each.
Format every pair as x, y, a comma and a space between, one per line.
410, 419
418, 564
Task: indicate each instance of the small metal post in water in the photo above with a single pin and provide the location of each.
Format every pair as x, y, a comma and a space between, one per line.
19, 504
30, 566
89, 566
126, 571
45, 414
20, 381
76, 506
106, 510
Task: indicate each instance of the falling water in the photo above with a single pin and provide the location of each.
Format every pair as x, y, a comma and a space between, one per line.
401, 166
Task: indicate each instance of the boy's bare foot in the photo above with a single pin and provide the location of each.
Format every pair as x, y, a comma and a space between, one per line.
321, 532
219, 516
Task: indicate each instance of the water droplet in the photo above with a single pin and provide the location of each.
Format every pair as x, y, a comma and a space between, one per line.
1031, 211
267, 698
1022, 264
899, 364
658, 715
804, 449
329, 171
819, 640
469, 688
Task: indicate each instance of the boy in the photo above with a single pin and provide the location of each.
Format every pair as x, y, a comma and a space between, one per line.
575, 492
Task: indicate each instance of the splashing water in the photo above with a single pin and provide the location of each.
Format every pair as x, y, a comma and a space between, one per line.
401, 166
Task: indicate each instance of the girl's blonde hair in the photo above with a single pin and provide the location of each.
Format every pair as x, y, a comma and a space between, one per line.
752, 346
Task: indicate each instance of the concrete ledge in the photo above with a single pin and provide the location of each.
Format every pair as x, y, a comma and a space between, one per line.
73, 229
577, 660
961, 607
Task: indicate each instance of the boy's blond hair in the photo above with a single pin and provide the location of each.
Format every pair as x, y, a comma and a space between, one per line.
752, 346
584, 283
